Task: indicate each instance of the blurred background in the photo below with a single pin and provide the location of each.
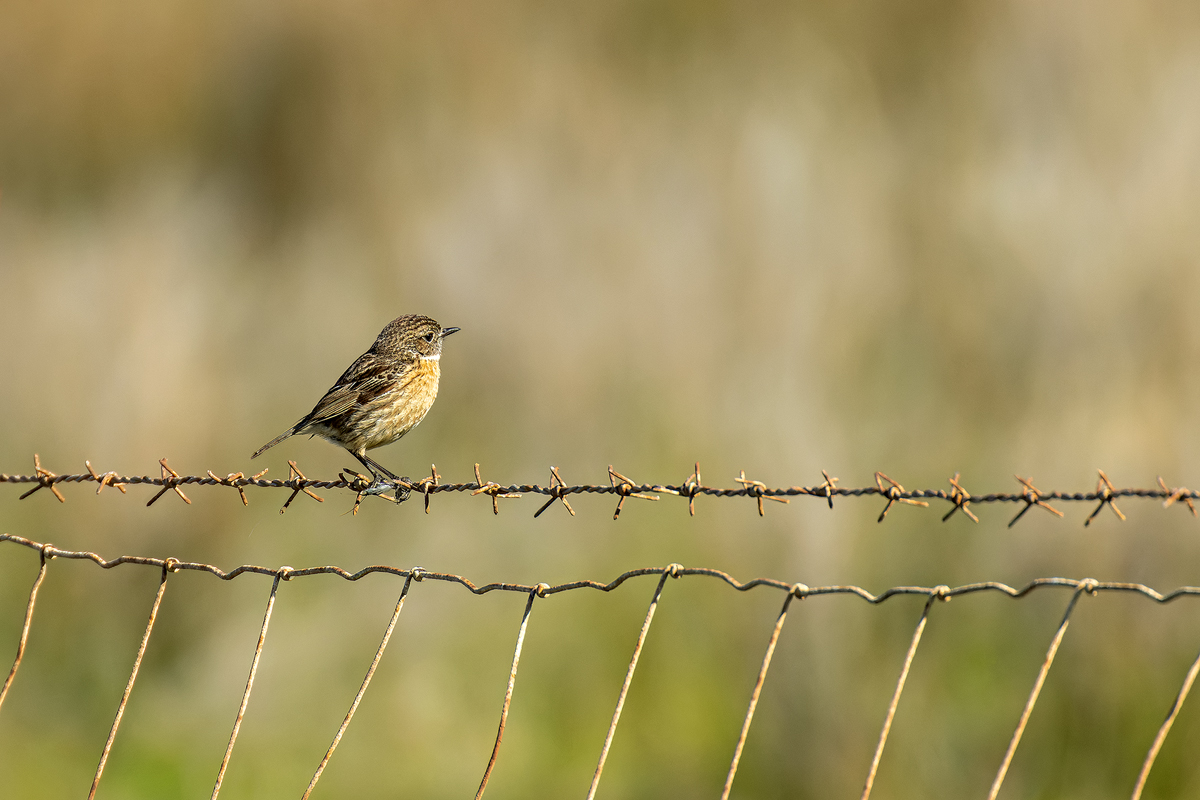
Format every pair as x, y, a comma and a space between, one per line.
924, 237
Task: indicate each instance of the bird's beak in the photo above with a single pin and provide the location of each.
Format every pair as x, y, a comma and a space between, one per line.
447, 331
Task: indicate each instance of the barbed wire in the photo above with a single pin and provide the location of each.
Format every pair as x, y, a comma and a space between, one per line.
1105, 493
793, 591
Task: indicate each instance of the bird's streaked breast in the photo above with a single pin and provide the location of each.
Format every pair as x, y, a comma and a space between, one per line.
395, 412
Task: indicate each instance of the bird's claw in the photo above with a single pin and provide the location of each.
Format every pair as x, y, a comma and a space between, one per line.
400, 488
378, 485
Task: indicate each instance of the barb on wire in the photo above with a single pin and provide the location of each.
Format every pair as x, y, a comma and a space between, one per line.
425, 485
558, 491
364, 486
895, 494
829, 488
1177, 494
689, 489
1107, 493
300, 484
692, 487
170, 480
1033, 497
494, 490
106, 479
755, 489
226, 481
961, 499
45, 480
625, 488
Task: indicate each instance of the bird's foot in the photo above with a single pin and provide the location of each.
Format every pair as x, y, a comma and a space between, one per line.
403, 487
377, 485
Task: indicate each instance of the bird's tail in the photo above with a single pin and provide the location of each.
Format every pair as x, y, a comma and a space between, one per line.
289, 432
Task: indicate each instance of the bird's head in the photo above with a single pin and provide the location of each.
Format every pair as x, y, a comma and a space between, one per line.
413, 333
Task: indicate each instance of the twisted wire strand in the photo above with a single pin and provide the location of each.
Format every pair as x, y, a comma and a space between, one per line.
1105, 494
545, 590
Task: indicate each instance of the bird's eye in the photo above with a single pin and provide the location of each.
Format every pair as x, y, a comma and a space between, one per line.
428, 337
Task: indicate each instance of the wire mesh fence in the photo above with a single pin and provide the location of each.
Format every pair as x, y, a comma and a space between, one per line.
957, 498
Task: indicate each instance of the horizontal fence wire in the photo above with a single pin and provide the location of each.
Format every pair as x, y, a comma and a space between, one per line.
1078, 588
885, 488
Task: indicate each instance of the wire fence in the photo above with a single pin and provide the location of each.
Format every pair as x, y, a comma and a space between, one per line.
1029, 496
792, 591
887, 489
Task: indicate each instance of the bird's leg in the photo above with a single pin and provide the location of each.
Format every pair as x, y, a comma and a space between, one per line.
377, 468
379, 473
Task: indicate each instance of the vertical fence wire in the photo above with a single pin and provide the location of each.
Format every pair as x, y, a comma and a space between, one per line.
758, 684
37, 583
1165, 728
337, 737
891, 711
512, 680
670, 571
137, 665
262, 638
48, 552
1085, 586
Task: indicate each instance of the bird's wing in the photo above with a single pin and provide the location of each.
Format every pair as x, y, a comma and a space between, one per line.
366, 378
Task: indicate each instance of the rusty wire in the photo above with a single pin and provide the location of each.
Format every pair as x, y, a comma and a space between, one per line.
891, 710
512, 682
1087, 585
758, 684
33, 593
672, 571
1090, 586
1105, 493
281, 573
337, 737
137, 665
1165, 728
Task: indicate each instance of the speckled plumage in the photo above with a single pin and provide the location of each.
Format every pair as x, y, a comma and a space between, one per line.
384, 394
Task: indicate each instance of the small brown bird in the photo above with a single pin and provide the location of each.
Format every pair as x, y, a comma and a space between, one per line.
383, 395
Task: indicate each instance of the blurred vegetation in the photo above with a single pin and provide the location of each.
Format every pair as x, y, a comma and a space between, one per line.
923, 237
